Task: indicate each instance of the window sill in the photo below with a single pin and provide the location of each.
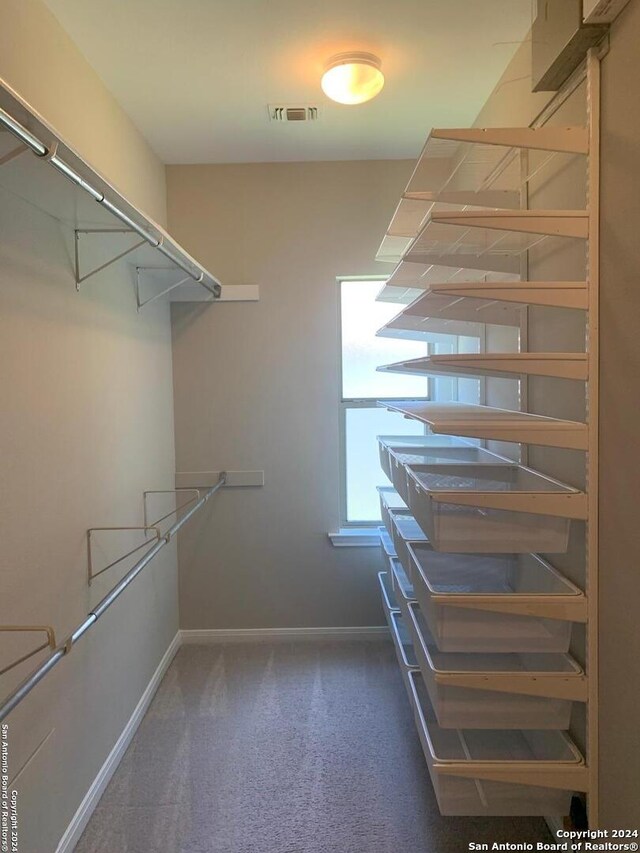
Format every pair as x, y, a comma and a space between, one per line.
355, 537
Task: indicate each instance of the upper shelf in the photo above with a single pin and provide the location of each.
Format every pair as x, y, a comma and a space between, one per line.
450, 311
558, 294
467, 419
490, 233
561, 365
408, 281
38, 166
476, 167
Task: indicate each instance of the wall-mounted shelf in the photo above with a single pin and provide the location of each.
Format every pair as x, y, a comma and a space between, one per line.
448, 585
563, 365
477, 167
409, 280
488, 233
555, 676
556, 294
461, 237
436, 312
48, 174
467, 419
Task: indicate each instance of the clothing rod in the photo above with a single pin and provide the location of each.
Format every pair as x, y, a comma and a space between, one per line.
92, 617
50, 154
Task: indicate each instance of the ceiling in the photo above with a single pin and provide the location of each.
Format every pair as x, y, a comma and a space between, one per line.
196, 76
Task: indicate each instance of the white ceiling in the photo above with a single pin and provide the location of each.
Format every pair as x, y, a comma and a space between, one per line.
196, 76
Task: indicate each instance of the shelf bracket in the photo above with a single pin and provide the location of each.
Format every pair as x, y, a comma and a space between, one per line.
79, 232
10, 155
91, 574
40, 629
196, 497
141, 303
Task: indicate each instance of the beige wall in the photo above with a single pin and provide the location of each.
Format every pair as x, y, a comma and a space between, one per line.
619, 444
39, 61
256, 386
86, 424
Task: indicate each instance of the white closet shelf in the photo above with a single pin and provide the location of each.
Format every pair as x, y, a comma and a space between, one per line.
434, 312
409, 280
473, 166
530, 758
37, 165
502, 365
428, 329
557, 294
470, 454
390, 444
447, 586
486, 233
556, 676
493, 507
468, 419
404, 529
480, 159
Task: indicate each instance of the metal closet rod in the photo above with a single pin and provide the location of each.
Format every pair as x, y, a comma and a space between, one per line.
40, 150
67, 644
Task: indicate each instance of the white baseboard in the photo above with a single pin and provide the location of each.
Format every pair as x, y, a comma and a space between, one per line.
85, 810
206, 636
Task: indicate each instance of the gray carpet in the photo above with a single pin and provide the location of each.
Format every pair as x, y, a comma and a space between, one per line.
282, 748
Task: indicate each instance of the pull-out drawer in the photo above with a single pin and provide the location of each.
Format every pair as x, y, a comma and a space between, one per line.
494, 602
496, 772
496, 691
502, 508
463, 454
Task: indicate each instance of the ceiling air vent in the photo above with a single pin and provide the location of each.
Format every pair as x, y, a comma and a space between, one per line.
285, 113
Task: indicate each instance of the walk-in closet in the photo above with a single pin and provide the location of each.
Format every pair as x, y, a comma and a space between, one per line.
319, 437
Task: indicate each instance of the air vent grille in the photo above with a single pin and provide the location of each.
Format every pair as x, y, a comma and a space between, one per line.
283, 113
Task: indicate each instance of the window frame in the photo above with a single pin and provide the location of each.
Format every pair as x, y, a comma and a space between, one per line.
346, 403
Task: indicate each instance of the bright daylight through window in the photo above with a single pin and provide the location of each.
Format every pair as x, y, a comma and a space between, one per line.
361, 419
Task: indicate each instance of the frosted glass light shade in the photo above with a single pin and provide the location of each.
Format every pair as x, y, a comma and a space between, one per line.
352, 78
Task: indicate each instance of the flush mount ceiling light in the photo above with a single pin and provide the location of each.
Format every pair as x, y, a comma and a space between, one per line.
352, 78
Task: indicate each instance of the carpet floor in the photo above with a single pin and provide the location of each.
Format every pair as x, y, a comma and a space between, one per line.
303, 747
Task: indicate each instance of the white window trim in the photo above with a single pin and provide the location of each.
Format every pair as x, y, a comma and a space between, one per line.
355, 537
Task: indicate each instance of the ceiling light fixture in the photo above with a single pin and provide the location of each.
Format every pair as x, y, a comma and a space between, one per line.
352, 78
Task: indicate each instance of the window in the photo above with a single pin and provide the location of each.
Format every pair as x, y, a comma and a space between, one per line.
361, 386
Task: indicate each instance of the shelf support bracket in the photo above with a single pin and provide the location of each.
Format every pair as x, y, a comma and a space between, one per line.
40, 629
141, 303
146, 528
79, 232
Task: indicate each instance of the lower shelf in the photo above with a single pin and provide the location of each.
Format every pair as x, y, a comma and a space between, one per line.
496, 772
487, 772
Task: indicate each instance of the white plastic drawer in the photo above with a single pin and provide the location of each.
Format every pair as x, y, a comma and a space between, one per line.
447, 750
456, 683
389, 602
402, 588
386, 545
404, 529
465, 600
469, 454
402, 443
399, 634
390, 500
476, 528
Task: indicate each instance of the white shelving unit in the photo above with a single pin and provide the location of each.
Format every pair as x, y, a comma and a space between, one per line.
460, 237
